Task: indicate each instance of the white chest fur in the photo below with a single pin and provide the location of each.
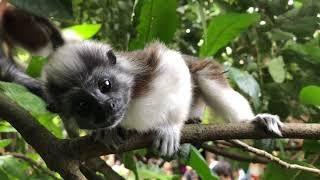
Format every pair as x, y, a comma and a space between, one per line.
168, 101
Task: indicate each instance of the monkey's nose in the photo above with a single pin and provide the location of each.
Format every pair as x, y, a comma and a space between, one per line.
111, 105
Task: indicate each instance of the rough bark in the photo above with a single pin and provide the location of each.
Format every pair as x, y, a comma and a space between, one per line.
65, 155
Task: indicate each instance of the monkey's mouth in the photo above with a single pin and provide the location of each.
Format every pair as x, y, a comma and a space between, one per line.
108, 121
101, 119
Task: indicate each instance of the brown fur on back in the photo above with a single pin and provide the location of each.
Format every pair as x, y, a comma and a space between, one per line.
207, 68
147, 61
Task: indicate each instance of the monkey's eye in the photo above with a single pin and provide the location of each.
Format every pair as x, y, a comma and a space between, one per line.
105, 86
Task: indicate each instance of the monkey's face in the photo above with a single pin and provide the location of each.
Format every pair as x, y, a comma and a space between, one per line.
101, 101
86, 83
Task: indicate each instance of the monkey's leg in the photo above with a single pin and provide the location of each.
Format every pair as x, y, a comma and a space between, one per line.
230, 104
197, 109
167, 140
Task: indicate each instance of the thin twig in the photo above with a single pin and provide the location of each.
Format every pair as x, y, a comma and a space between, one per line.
234, 156
274, 158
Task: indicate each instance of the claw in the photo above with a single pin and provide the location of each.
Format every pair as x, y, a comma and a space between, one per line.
167, 144
108, 137
271, 122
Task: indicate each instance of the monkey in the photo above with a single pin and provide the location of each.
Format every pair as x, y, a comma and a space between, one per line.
154, 89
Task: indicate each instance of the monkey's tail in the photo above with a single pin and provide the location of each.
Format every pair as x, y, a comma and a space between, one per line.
209, 78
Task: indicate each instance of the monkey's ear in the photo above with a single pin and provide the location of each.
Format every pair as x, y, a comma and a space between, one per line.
112, 57
32, 32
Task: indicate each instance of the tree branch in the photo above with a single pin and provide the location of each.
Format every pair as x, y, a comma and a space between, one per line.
196, 134
64, 156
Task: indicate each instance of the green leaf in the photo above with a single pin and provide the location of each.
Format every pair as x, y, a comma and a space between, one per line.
157, 20
32, 103
276, 69
276, 172
35, 66
3, 175
85, 31
35, 105
6, 127
301, 26
48, 8
279, 35
5, 142
147, 173
130, 163
246, 83
310, 95
16, 169
184, 152
223, 29
199, 164
308, 50
311, 146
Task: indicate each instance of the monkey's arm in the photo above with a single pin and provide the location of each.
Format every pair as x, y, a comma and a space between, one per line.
10, 72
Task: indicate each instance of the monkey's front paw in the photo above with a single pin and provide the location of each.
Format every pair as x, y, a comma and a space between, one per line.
271, 122
111, 138
167, 144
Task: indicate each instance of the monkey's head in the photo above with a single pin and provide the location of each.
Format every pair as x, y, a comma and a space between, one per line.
86, 82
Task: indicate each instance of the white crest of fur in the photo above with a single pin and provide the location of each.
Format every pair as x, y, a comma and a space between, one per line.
66, 58
168, 101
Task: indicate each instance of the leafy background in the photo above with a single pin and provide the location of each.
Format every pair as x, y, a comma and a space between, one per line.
270, 49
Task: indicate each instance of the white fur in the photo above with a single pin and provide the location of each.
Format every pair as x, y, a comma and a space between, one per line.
227, 102
70, 36
168, 102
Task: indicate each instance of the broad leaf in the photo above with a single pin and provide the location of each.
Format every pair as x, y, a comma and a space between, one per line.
85, 31
199, 164
35, 66
309, 50
276, 172
60, 9
223, 29
279, 35
276, 69
5, 142
32, 103
6, 127
14, 168
311, 146
310, 95
130, 163
157, 20
147, 172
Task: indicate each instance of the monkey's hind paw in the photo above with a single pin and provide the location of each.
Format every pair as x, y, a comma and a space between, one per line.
111, 138
167, 144
271, 122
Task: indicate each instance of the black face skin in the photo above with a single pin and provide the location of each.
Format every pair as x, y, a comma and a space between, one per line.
96, 95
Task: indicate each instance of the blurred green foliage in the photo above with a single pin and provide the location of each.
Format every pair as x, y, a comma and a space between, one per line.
269, 48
